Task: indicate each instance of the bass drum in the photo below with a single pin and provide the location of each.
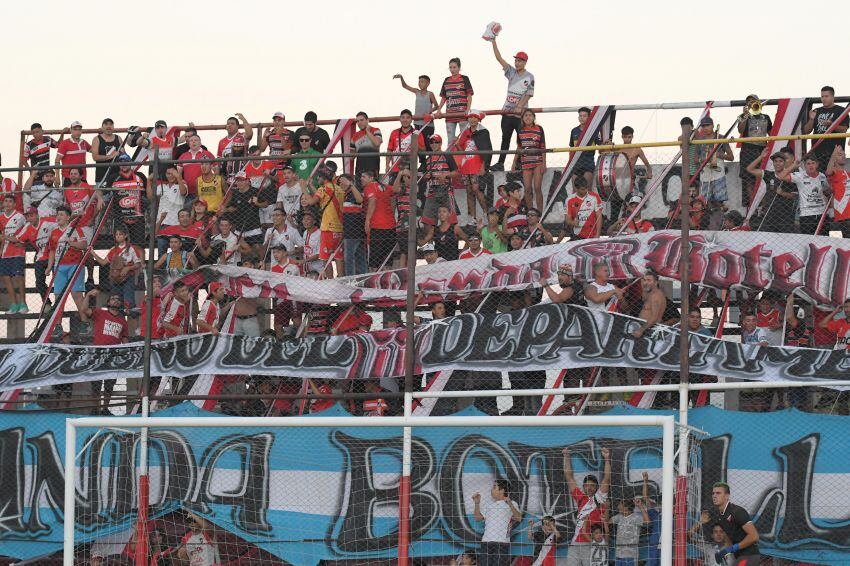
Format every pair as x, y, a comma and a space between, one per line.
613, 173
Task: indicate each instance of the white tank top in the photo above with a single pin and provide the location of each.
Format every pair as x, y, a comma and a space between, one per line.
599, 289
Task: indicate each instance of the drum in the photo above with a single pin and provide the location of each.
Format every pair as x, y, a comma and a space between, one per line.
613, 173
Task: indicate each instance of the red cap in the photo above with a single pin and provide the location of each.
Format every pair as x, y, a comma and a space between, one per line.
436, 138
521, 55
201, 201
31, 210
214, 286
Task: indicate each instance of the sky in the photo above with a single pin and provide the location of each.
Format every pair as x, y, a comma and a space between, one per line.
204, 61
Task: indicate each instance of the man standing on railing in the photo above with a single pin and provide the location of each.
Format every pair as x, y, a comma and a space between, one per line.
820, 121
585, 164
590, 506
400, 140
456, 95
520, 91
104, 148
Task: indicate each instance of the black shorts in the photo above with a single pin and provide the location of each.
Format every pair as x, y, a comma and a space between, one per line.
381, 244
749, 153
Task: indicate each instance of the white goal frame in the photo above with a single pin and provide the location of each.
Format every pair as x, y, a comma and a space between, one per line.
665, 422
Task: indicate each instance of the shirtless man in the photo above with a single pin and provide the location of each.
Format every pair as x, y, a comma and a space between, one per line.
567, 294
654, 302
245, 310
633, 154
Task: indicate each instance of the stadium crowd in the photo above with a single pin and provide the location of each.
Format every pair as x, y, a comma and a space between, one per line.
285, 209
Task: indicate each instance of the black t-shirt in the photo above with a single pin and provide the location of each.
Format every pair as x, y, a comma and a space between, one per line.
778, 210
757, 127
823, 117
732, 520
319, 138
247, 216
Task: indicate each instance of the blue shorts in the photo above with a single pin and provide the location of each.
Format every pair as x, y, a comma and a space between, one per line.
64, 274
12, 266
714, 191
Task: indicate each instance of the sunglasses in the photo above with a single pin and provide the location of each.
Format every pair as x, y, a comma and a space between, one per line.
563, 272
304, 139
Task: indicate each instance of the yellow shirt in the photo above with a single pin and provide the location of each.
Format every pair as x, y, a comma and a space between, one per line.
331, 221
211, 191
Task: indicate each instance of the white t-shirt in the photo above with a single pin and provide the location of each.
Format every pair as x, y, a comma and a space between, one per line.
201, 549
598, 553
518, 86
312, 242
628, 534
757, 336
599, 289
230, 255
170, 202
812, 200
289, 238
497, 522
47, 198
290, 197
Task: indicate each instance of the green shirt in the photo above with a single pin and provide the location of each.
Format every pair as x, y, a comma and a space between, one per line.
491, 241
304, 165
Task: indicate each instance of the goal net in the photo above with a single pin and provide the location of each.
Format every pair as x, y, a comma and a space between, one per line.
344, 490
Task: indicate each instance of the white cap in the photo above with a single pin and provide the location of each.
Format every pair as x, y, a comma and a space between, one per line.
75, 124
429, 247
280, 115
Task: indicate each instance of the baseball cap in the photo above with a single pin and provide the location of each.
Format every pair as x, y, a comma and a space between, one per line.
474, 236
707, 121
436, 138
124, 158
521, 55
76, 124
241, 175
429, 247
201, 201
635, 200
160, 123
477, 113
214, 286
279, 114
31, 210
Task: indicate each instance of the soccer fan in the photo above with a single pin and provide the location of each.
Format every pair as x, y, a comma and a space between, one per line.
278, 139
78, 193
127, 190
520, 91
304, 166
226, 247
633, 154
37, 233
37, 149
176, 319
175, 257
170, 195
9, 187
426, 103
12, 252
769, 319
209, 187
380, 222
109, 328
590, 502
243, 205
738, 527
713, 175
156, 302
289, 194
750, 331
183, 141
820, 121
472, 167
198, 546
814, 191
695, 323
445, 236
353, 224
185, 229
105, 147
72, 151
839, 326
263, 177
654, 303
41, 192
545, 540
312, 238
163, 140
585, 165
492, 236
629, 524
402, 190
439, 174
125, 264
780, 200
599, 550
208, 315
365, 141
285, 311
400, 140
498, 516
319, 138
531, 141
637, 225
571, 292
330, 197
515, 215
66, 246
429, 254
191, 171
456, 95
281, 233
751, 126
583, 211
473, 248
839, 181
234, 144
600, 291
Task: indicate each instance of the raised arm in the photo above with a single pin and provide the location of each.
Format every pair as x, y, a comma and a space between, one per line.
476, 512
568, 470
404, 84
498, 55
606, 474
246, 127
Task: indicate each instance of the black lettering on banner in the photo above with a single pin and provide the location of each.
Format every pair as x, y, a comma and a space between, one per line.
48, 481
244, 352
454, 340
537, 330
10, 370
170, 451
44, 364
12, 474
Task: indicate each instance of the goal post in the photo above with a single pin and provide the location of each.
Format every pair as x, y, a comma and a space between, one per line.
543, 431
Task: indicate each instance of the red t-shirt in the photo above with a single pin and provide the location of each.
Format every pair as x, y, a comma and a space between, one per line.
157, 305
400, 141
59, 243
191, 171
12, 225
8, 186
374, 408
176, 314
637, 226
584, 212
589, 512
822, 337
209, 313
319, 405
467, 164
108, 329
254, 171
193, 231
841, 328
467, 253
77, 198
73, 153
383, 217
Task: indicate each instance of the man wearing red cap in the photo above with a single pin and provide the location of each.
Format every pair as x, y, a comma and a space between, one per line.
520, 90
